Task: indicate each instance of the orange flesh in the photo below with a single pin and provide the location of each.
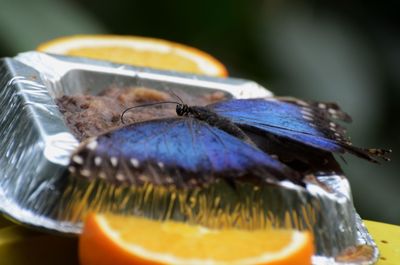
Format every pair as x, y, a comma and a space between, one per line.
183, 241
142, 58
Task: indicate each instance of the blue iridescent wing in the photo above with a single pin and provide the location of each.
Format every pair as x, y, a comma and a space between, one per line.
309, 123
178, 151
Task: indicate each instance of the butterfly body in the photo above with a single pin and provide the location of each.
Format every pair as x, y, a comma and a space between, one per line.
207, 115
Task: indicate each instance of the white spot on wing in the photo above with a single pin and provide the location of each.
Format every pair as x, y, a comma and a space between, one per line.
308, 118
306, 112
274, 156
85, 172
134, 162
114, 161
120, 177
92, 145
332, 111
97, 160
77, 159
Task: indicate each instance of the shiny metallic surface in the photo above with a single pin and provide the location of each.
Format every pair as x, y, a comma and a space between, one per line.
35, 148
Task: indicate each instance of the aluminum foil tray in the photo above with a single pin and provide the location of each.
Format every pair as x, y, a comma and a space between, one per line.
35, 147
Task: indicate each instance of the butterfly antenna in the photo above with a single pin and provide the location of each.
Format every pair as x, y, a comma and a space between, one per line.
145, 105
173, 93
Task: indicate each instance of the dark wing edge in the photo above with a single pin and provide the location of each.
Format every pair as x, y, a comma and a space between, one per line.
326, 114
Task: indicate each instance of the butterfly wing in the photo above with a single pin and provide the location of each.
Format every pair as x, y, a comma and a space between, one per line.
309, 123
179, 151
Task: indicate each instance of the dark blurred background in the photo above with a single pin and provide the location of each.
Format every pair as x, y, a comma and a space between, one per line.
343, 51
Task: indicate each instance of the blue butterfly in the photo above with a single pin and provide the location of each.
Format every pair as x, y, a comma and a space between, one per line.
261, 139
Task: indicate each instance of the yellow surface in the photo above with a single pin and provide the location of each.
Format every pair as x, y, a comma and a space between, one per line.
22, 246
387, 237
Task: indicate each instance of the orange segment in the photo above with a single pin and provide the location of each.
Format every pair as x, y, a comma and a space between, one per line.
112, 239
139, 51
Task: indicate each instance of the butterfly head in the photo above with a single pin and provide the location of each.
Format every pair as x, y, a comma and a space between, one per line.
182, 109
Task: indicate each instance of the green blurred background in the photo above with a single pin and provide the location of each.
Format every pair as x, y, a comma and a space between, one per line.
343, 51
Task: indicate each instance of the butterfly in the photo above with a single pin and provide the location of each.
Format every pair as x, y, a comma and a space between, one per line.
261, 139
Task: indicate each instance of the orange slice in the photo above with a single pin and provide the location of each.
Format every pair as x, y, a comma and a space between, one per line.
139, 51
113, 239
